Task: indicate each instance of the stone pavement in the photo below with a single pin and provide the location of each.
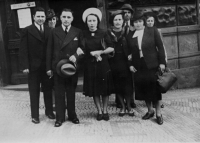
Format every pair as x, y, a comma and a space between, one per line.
181, 121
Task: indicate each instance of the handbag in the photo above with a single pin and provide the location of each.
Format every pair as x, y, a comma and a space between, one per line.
166, 79
103, 44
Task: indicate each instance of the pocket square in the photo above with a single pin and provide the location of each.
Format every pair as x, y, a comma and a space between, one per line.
75, 38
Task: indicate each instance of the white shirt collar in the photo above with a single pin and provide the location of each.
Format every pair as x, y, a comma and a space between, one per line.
38, 26
68, 28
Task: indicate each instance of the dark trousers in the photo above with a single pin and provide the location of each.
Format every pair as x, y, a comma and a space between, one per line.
65, 88
35, 80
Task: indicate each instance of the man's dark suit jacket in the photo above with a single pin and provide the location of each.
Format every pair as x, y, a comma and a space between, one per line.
152, 48
33, 48
61, 46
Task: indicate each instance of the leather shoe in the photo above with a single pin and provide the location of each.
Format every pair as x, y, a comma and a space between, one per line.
51, 116
131, 113
162, 106
58, 123
148, 115
133, 105
36, 120
99, 117
159, 119
106, 117
75, 120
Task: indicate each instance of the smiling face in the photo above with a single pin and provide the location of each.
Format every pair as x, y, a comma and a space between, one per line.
118, 21
39, 17
139, 24
66, 18
92, 22
150, 21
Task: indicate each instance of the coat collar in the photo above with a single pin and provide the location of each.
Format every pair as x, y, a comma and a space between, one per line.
66, 38
35, 32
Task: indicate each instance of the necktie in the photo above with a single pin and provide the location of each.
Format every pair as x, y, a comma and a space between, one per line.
41, 31
127, 28
66, 30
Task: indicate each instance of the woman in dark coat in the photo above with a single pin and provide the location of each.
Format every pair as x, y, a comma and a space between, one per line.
147, 56
97, 74
122, 77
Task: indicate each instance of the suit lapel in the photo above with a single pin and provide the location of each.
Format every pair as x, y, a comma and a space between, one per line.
60, 33
70, 36
34, 31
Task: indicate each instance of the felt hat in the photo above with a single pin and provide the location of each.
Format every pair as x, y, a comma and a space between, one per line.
138, 15
50, 14
66, 68
92, 10
127, 7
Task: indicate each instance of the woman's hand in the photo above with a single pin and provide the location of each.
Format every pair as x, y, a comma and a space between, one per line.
162, 67
97, 54
130, 57
132, 69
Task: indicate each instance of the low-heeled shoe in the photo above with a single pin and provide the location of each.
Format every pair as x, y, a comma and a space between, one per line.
58, 123
51, 116
159, 119
106, 117
99, 117
36, 120
74, 120
121, 114
131, 113
148, 115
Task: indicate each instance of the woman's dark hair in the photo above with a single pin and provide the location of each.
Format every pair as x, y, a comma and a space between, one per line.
112, 17
98, 20
142, 18
38, 9
151, 14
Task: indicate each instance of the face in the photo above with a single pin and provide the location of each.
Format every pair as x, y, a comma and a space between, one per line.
66, 18
150, 22
139, 24
118, 21
92, 22
52, 22
39, 17
127, 15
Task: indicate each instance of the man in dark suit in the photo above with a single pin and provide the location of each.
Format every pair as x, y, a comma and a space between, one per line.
32, 56
128, 14
65, 42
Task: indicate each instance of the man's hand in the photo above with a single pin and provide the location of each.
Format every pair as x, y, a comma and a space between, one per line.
50, 74
72, 59
26, 71
79, 51
162, 67
132, 69
130, 57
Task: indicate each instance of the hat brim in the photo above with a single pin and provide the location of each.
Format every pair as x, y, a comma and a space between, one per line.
89, 11
68, 70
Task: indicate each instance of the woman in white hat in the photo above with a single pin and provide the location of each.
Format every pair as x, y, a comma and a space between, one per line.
97, 74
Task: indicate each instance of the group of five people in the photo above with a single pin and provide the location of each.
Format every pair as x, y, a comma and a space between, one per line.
111, 58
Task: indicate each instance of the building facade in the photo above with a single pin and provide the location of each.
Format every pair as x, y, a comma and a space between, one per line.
178, 19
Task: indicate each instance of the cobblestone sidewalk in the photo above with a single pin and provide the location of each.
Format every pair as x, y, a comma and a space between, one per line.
181, 121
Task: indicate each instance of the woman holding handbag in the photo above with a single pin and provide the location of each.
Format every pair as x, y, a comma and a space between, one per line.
122, 77
151, 20
148, 55
97, 75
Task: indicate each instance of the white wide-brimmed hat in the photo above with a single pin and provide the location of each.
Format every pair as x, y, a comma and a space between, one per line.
92, 10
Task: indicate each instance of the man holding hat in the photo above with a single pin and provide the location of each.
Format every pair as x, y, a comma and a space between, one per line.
128, 13
63, 52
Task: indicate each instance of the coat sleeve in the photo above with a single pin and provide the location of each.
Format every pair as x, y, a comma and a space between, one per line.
159, 45
49, 52
23, 51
